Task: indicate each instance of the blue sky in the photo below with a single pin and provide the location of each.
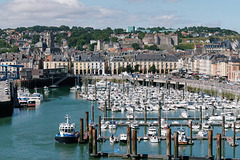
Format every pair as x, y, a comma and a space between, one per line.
120, 13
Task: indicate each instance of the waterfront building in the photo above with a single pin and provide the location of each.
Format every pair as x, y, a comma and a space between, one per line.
89, 64
56, 61
163, 63
234, 70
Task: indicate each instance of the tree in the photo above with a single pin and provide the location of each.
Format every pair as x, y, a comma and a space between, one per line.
152, 69
136, 68
35, 39
154, 48
14, 49
135, 46
121, 69
129, 69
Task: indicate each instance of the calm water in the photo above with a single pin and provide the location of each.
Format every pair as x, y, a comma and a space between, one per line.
29, 134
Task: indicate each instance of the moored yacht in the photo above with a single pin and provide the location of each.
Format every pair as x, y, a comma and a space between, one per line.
67, 132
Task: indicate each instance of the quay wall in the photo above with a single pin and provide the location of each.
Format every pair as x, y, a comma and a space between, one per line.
33, 83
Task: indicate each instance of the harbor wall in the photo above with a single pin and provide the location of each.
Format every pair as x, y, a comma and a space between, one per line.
6, 107
33, 83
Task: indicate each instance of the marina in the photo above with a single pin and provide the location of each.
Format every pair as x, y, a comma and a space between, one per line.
41, 125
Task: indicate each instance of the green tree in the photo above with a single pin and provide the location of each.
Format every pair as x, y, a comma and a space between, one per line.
14, 49
184, 46
129, 69
135, 46
121, 69
114, 39
35, 39
136, 68
152, 69
154, 48
146, 47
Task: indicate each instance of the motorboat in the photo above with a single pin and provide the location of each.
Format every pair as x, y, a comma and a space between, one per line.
206, 125
75, 88
123, 138
182, 140
67, 132
152, 131
135, 125
154, 139
112, 125
184, 114
202, 133
113, 139
104, 126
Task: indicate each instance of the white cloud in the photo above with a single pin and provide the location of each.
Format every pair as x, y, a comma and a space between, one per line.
55, 12
168, 20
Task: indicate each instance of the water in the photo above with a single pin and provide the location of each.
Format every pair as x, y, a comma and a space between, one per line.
29, 134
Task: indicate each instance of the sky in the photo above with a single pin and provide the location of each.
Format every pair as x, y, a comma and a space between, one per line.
120, 13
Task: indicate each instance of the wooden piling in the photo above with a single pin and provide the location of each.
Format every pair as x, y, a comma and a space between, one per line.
223, 125
159, 120
81, 129
183, 93
129, 144
95, 88
191, 142
169, 142
90, 139
219, 139
109, 93
99, 125
145, 114
134, 142
94, 142
210, 139
175, 155
86, 121
212, 108
234, 134
200, 116
105, 109
92, 114
163, 99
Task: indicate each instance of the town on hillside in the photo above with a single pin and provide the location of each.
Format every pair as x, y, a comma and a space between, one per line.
42, 51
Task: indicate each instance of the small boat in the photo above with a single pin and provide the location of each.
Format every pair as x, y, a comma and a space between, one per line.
53, 86
135, 126
154, 139
152, 131
205, 125
104, 126
75, 88
45, 88
175, 122
184, 114
112, 125
67, 132
231, 143
182, 140
123, 138
202, 133
113, 139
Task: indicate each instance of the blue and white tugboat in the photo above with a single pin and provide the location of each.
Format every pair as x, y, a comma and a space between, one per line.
67, 132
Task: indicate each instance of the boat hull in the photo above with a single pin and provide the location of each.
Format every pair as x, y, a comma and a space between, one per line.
66, 139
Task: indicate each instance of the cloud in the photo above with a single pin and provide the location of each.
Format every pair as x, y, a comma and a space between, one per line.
168, 20
55, 12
